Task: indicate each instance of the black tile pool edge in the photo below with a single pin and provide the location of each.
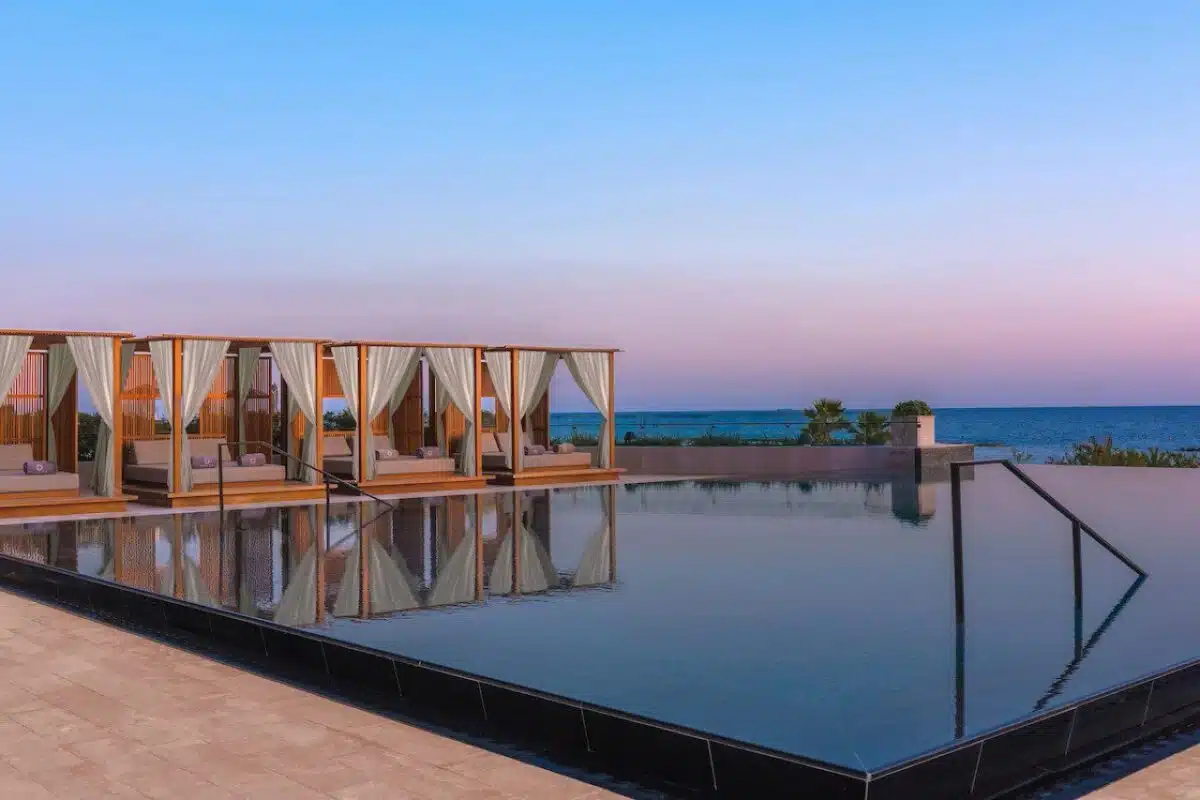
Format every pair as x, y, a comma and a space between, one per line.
609, 743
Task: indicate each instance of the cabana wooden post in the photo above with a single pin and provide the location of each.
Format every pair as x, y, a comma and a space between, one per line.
38, 406
388, 408
505, 456
168, 468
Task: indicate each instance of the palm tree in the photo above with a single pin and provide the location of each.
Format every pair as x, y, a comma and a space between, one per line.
871, 427
826, 417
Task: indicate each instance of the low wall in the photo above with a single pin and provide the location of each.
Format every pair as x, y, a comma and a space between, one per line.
780, 461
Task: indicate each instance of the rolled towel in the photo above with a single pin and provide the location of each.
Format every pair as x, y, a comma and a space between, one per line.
429, 452
204, 462
40, 468
252, 460
565, 447
387, 455
535, 450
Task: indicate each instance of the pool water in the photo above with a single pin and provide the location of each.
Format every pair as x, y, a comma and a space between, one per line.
816, 619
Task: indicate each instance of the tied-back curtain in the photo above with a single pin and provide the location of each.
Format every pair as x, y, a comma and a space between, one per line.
535, 368
60, 368
345, 359
202, 359
590, 371
454, 368
500, 369
163, 360
12, 358
127, 353
247, 371
93, 356
390, 370
297, 362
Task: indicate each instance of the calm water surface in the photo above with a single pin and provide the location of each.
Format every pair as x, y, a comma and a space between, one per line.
811, 618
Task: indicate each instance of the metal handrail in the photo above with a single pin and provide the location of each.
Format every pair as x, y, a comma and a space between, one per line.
1076, 523
329, 478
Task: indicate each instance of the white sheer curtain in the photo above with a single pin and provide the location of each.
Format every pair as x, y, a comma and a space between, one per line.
454, 368
297, 362
163, 360
60, 368
390, 587
202, 358
127, 353
247, 370
298, 604
12, 358
595, 567
590, 371
499, 364
93, 357
535, 368
345, 359
389, 370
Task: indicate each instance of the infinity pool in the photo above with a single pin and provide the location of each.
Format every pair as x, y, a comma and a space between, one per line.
812, 619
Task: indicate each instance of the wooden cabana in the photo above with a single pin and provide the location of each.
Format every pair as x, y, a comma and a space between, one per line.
204, 408
519, 451
40, 372
399, 444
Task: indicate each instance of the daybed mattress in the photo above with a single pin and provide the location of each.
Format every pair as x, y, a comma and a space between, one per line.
406, 465
157, 473
18, 481
550, 460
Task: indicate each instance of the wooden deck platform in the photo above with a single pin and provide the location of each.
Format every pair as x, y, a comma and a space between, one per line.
236, 494
59, 503
539, 477
427, 482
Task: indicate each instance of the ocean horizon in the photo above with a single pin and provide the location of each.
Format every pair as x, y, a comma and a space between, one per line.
1039, 432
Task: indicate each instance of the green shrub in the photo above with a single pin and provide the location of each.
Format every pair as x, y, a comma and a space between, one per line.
1097, 453
826, 418
711, 439
89, 428
912, 408
871, 427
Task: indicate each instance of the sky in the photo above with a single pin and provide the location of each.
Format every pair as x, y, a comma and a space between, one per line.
977, 204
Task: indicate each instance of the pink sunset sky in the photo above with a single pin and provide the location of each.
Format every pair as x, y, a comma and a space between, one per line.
760, 205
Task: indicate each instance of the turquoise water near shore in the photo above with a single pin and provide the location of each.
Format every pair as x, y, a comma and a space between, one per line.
1040, 432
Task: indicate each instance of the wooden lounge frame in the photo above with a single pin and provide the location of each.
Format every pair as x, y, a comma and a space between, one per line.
553, 475
29, 390
227, 426
404, 419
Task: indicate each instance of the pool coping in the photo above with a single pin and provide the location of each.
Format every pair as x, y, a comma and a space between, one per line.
630, 747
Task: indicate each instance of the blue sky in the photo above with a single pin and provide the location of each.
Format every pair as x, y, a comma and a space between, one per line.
978, 203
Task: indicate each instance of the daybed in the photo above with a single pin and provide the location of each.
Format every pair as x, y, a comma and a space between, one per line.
148, 462
339, 459
496, 447
14, 479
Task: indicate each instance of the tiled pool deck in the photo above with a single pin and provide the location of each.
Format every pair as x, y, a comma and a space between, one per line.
88, 710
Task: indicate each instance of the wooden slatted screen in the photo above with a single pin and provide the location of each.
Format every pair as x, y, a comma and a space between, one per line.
217, 417
409, 419
137, 402
333, 385
261, 406
23, 415
539, 421
64, 421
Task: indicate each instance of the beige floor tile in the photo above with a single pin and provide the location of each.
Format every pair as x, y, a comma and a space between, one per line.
515, 778
91, 711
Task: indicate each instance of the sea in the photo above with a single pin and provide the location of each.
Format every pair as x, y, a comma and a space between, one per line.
1038, 434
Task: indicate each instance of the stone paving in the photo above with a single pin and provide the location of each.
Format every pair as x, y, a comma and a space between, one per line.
1176, 777
88, 710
